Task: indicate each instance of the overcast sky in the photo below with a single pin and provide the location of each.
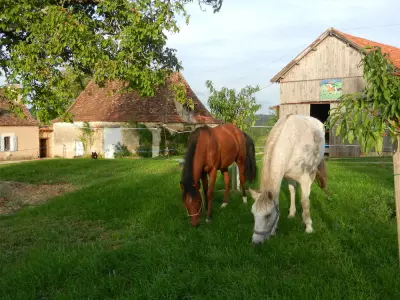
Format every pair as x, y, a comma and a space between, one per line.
249, 41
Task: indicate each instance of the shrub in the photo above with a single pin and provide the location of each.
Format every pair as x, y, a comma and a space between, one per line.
121, 151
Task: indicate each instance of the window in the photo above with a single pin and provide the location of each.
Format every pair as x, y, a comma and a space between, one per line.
7, 143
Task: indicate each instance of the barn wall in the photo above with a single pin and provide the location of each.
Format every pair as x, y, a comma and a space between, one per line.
296, 109
309, 91
332, 59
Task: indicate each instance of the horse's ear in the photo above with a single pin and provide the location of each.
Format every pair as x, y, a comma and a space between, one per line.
254, 194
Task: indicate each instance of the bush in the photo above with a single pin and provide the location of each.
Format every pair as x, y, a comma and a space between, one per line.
121, 151
144, 150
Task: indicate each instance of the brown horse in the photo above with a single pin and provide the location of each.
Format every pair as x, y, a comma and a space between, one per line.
210, 150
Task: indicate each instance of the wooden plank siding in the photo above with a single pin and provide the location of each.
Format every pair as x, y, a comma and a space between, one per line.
309, 91
332, 58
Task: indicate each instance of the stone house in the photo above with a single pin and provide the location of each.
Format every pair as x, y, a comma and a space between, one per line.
110, 114
19, 136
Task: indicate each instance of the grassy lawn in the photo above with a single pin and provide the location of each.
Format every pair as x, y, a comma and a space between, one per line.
124, 234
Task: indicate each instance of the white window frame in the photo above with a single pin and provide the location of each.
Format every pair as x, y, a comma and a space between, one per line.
13, 142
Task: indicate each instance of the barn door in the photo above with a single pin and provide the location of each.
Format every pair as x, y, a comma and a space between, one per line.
112, 136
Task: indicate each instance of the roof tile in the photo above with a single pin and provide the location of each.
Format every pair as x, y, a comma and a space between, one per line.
9, 119
108, 105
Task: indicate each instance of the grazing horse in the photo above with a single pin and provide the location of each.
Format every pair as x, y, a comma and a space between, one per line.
210, 150
294, 150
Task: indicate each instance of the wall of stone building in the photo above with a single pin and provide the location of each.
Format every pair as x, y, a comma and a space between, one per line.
24, 139
66, 137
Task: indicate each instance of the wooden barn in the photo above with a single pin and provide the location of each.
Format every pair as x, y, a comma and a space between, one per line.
312, 82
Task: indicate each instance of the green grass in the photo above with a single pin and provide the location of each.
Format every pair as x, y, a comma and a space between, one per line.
125, 235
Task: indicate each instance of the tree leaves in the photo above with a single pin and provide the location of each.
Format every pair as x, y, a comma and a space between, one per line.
373, 113
236, 108
104, 40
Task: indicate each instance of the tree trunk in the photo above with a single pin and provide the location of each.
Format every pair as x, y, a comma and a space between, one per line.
396, 171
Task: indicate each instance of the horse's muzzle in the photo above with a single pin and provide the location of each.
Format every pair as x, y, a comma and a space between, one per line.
259, 239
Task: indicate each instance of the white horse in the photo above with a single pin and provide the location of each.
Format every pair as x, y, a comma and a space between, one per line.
294, 150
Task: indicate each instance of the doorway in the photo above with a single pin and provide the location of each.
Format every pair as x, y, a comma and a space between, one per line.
43, 148
321, 112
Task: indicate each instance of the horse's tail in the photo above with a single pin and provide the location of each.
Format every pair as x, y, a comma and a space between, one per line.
250, 169
321, 176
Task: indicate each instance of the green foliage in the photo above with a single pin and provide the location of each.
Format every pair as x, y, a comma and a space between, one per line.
87, 136
46, 45
145, 139
121, 151
370, 115
236, 108
180, 93
177, 142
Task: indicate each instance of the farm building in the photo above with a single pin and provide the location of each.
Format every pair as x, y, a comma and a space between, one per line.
312, 82
19, 135
110, 114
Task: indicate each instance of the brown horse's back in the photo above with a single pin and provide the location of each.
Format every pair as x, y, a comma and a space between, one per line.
231, 144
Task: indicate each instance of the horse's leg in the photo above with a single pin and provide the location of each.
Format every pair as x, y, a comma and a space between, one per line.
241, 167
240, 162
305, 202
204, 183
210, 193
225, 173
292, 190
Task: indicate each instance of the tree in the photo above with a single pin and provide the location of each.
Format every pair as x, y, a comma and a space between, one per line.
43, 42
237, 108
370, 115
76, 83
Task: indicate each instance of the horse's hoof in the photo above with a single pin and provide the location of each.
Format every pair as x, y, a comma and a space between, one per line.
224, 205
244, 200
291, 216
309, 229
208, 220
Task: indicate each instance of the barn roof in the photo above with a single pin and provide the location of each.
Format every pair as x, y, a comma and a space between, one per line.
353, 41
9, 119
108, 105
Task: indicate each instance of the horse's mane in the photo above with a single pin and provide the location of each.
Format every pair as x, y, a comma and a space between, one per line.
187, 173
266, 178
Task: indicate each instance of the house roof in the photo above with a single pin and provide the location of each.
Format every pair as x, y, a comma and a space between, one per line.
9, 119
108, 105
353, 41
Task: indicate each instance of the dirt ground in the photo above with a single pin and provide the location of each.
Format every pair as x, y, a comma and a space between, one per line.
16, 195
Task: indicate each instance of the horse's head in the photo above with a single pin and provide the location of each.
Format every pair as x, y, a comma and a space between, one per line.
192, 199
266, 215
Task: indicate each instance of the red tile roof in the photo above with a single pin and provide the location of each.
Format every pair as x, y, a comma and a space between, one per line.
394, 52
356, 42
108, 105
9, 119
